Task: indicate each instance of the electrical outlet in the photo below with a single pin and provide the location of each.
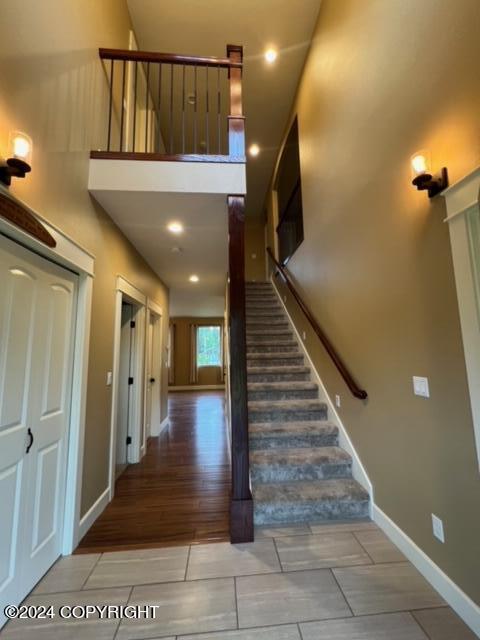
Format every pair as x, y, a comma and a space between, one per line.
304, 336
420, 387
109, 378
284, 298
338, 402
437, 526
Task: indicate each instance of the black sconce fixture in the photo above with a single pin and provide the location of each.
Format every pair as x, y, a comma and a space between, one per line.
422, 175
17, 164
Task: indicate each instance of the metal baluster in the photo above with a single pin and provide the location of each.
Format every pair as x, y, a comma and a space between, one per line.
135, 105
111, 105
122, 106
146, 106
219, 108
183, 110
207, 107
159, 106
195, 112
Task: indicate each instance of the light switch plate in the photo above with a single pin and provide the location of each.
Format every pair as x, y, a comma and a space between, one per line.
338, 402
437, 526
420, 387
254, 256
304, 336
109, 378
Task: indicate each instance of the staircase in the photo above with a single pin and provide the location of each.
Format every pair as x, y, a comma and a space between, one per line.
298, 471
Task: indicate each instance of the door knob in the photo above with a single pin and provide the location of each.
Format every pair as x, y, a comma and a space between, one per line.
152, 380
30, 435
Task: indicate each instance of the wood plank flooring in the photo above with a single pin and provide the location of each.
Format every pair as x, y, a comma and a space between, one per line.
179, 493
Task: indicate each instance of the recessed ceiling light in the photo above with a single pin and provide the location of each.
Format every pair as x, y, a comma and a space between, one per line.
194, 278
271, 55
254, 150
175, 227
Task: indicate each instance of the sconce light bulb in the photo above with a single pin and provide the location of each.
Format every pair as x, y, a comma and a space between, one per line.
419, 165
21, 147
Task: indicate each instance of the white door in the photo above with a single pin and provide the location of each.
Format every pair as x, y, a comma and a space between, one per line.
36, 354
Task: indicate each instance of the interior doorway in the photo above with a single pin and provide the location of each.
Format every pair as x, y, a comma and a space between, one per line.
125, 387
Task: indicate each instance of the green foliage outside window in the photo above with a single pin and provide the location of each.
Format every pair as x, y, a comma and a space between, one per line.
209, 347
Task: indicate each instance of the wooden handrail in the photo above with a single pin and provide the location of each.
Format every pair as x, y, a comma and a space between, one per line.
168, 58
338, 362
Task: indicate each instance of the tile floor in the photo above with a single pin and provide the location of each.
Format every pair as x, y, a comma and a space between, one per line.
317, 582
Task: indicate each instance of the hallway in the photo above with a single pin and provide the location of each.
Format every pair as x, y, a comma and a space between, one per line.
179, 492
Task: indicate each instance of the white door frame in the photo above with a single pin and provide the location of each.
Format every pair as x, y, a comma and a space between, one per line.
125, 290
152, 309
71, 255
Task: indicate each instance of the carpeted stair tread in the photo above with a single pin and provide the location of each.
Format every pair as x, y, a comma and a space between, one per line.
303, 427
281, 386
333, 499
283, 457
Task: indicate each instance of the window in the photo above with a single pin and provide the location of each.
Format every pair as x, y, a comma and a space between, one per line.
209, 347
289, 194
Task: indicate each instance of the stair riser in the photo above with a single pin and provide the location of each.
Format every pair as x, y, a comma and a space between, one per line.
267, 313
260, 322
282, 415
294, 472
272, 513
280, 347
260, 442
256, 361
268, 336
278, 377
286, 394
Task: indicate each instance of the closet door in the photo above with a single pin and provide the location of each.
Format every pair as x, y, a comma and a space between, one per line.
36, 343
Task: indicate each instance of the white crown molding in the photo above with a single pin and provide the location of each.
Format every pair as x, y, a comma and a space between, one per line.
463, 195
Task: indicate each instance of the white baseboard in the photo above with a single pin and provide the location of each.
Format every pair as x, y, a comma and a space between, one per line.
456, 598
93, 513
156, 430
358, 470
198, 387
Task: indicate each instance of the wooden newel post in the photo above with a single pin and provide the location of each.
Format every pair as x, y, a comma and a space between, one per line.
241, 509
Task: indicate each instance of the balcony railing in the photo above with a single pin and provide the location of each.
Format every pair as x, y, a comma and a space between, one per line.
165, 106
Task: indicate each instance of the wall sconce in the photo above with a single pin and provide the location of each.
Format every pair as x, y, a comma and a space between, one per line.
20, 157
422, 175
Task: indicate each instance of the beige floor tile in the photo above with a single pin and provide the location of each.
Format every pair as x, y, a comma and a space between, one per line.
288, 597
232, 560
184, 607
320, 551
286, 632
393, 626
443, 624
340, 527
139, 567
62, 629
68, 574
379, 547
386, 588
276, 532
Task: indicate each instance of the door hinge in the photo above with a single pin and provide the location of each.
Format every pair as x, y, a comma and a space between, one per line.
130, 381
129, 439
132, 324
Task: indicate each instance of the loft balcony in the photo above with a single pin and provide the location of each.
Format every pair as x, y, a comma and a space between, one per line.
173, 124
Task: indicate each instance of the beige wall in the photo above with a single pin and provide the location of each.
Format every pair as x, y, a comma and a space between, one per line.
254, 246
52, 86
182, 353
383, 80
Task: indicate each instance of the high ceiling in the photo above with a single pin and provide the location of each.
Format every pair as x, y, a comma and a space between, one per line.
204, 27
